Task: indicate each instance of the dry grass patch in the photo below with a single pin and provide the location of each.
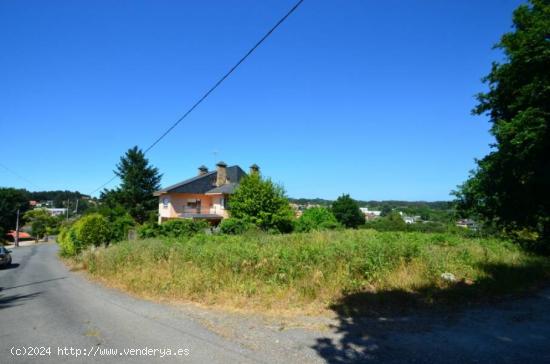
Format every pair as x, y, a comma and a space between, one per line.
310, 272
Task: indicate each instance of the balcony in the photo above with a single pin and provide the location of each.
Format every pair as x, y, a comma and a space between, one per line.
201, 213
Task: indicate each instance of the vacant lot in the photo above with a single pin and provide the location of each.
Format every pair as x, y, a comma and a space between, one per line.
348, 271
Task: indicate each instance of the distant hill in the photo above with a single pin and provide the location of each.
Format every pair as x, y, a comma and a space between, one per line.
59, 198
428, 210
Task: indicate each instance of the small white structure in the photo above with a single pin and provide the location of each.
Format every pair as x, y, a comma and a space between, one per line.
370, 214
57, 211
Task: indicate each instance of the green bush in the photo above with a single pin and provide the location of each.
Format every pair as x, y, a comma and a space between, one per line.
263, 203
91, 229
182, 227
234, 226
347, 212
120, 227
148, 230
65, 242
317, 218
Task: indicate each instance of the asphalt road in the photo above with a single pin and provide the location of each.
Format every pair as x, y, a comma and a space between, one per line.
43, 305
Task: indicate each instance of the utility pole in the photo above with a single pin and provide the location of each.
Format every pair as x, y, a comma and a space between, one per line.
76, 208
17, 229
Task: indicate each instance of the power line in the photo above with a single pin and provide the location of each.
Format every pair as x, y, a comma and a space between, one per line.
220, 81
19, 176
103, 185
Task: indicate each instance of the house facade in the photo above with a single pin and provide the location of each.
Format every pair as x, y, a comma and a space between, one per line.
203, 197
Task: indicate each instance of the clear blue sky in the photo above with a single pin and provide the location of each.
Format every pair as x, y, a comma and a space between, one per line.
370, 98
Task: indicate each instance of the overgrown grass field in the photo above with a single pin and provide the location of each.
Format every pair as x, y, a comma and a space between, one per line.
312, 272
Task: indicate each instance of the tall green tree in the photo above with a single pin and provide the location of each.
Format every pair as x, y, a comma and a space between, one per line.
511, 186
12, 199
42, 222
262, 203
347, 212
138, 182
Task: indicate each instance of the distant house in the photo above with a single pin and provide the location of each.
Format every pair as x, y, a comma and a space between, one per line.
22, 235
370, 214
202, 197
467, 224
56, 211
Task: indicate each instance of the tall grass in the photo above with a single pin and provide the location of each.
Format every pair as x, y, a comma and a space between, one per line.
310, 271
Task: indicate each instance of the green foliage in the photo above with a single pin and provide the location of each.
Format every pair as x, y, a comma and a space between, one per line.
120, 227
139, 181
66, 239
148, 230
316, 218
279, 271
42, 222
391, 222
60, 198
92, 229
12, 199
178, 228
509, 188
346, 210
234, 226
38, 229
263, 203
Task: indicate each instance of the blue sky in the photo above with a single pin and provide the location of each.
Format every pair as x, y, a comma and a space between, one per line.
370, 98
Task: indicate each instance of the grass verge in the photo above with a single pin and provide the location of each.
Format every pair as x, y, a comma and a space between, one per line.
351, 271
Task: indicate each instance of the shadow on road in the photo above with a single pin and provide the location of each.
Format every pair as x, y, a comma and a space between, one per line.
11, 266
31, 284
366, 319
16, 299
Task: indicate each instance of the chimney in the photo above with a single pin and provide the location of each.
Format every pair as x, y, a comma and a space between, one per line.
203, 170
254, 169
221, 177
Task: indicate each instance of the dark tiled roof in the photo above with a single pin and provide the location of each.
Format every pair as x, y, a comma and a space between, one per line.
204, 183
226, 188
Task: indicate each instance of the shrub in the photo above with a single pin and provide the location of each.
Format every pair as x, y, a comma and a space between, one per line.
316, 218
92, 229
263, 203
182, 227
148, 230
120, 227
234, 226
65, 241
347, 212
390, 222
38, 229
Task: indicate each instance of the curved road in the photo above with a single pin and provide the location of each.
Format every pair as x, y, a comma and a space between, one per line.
42, 304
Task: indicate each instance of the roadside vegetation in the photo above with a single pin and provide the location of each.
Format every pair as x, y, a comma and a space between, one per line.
310, 272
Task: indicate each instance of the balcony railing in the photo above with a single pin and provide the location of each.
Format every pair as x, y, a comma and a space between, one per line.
201, 210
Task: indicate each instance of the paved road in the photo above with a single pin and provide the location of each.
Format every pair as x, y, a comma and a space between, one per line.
42, 304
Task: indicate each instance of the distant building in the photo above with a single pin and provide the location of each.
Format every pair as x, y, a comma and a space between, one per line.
411, 219
57, 211
467, 224
370, 214
203, 197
